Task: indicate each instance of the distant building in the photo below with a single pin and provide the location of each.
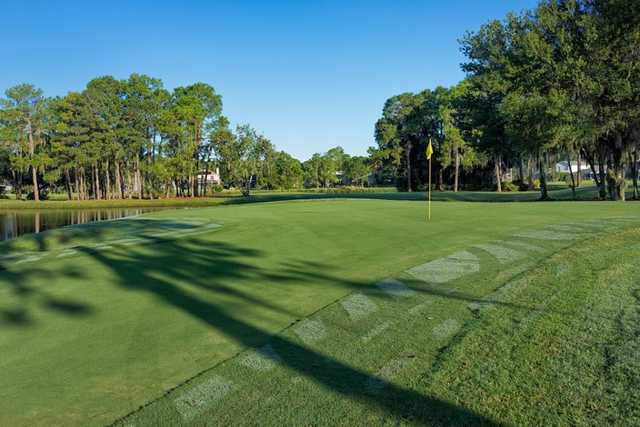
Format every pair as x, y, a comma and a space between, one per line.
212, 177
563, 167
5, 187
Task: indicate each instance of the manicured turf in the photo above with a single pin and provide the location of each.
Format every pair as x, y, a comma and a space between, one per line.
273, 313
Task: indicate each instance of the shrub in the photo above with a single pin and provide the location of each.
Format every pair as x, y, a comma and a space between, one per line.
509, 186
522, 185
536, 184
44, 195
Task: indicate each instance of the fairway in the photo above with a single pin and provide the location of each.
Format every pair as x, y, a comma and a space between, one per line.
310, 312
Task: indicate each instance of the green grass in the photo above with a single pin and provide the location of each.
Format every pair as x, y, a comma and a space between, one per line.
163, 311
559, 193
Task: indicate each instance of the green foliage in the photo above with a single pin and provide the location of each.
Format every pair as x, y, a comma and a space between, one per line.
509, 186
536, 184
559, 79
133, 139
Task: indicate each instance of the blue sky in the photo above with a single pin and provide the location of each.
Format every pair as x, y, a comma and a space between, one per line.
310, 75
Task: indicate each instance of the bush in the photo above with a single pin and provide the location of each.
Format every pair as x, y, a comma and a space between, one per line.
349, 189
522, 185
536, 184
567, 178
510, 186
44, 195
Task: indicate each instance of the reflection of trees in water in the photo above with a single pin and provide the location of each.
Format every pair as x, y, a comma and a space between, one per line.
17, 223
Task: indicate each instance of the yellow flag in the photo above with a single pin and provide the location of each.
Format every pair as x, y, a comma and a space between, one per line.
429, 150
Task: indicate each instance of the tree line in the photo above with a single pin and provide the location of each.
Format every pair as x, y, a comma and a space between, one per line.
133, 138
560, 82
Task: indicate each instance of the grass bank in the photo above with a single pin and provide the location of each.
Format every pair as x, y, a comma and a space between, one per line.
587, 193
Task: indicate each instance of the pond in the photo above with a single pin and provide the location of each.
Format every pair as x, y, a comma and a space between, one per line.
15, 223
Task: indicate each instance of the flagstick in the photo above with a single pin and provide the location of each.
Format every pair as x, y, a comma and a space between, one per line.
429, 217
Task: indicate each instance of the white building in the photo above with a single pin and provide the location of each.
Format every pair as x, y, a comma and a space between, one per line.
212, 177
564, 167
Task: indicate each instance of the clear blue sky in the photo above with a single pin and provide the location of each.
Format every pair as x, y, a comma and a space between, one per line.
310, 75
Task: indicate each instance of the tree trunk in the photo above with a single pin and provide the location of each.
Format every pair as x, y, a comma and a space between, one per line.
456, 172
634, 170
573, 182
67, 181
34, 171
80, 184
85, 191
107, 181
590, 161
17, 178
76, 178
602, 177
206, 176
129, 184
441, 179
530, 185
137, 177
409, 166
498, 174
118, 184
96, 178
618, 183
579, 177
521, 170
544, 195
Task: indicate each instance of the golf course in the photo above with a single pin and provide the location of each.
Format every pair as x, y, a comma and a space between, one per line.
307, 214
333, 311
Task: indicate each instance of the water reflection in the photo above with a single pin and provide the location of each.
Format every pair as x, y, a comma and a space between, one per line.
16, 223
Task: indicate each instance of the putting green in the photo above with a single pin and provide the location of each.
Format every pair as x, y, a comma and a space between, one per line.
272, 310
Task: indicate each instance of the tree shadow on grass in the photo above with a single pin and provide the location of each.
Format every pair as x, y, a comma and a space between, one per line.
18, 285
191, 274
17, 277
207, 266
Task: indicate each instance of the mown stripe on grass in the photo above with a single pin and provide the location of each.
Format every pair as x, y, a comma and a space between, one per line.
395, 288
358, 306
310, 331
545, 235
196, 399
264, 358
446, 329
387, 373
443, 270
523, 245
377, 330
496, 297
502, 253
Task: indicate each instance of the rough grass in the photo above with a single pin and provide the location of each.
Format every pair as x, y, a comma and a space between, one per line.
257, 317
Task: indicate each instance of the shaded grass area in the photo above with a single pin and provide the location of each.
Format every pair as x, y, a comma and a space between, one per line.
585, 193
88, 338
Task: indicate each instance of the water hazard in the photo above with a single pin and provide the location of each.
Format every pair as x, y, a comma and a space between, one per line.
15, 223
